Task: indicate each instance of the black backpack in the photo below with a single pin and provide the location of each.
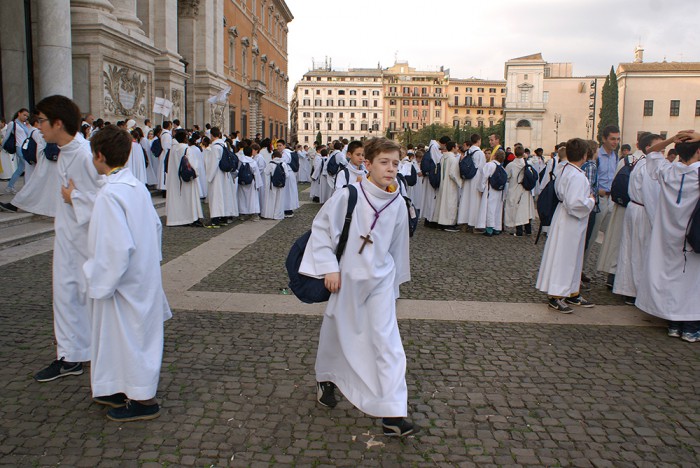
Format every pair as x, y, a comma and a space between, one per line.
412, 178
692, 231
345, 171
294, 164
620, 188
245, 174
467, 168
427, 165
547, 203
313, 290
52, 151
278, 178
29, 149
229, 160
156, 147
186, 172
530, 177
499, 178
10, 144
333, 165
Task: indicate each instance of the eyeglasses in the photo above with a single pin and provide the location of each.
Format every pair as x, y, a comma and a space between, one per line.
41, 120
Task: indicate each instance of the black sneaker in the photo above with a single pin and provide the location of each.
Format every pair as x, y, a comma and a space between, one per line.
325, 394
398, 427
115, 401
579, 301
451, 229
9, 207
584, 278
559, 305
58, 369
610, 281
629, 300
134, 411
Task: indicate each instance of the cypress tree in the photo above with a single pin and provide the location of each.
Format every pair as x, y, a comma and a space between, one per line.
319, 138
609, 108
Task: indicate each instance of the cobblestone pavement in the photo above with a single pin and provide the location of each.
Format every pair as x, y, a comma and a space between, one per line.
237, 390
444, 266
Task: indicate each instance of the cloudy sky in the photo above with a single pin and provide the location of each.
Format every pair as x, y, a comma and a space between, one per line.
475, 38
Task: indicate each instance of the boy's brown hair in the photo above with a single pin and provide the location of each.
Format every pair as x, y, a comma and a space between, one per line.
113, 143
576, 149
378, 145
500, 156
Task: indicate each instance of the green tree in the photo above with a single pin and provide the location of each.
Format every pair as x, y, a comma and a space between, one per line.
319, 138
388, 134
609, 107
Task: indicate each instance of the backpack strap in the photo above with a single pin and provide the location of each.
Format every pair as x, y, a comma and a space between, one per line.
352, 201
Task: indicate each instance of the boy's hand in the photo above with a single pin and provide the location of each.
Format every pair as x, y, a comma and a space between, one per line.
688, 136
66, 191
332, 282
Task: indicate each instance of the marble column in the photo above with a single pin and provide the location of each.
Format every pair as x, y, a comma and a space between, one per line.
54, 49
125, 11
14, 57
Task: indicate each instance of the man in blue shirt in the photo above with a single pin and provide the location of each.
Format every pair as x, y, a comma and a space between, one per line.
607, 165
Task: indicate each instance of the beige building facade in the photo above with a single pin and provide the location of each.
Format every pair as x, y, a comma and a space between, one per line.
475, 103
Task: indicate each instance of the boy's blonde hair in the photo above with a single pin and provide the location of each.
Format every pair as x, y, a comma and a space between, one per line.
375, 146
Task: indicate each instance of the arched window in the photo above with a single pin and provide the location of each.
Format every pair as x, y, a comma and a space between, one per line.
523, 124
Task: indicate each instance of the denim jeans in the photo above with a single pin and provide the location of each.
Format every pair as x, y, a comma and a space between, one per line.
686, 327
20, 168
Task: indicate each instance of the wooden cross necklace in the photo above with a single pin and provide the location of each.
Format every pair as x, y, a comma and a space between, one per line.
367, 239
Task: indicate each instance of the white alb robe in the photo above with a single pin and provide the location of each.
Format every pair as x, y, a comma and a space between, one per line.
127, 302
520, 206
182, 205
260, 160
342, 162
166, 141
136, 162
248, 197
447, 202
670, 286
304, 167
562, 259
470, 196
491, 208
291, 198
320, 176
360, 348
353, 172
152, 169
41, 194
220, 186
273, 206
70, 308
7, 162
429, 193
415, 193
196, 158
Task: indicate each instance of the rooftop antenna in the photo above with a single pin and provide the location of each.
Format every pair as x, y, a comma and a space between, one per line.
396, 56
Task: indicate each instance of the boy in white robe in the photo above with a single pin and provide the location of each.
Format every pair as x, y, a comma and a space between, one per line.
562, 260
430, 193
137, 161
291, 199
355, 170
636, 227
196, 158
260, 160
182, 205
59, 118
166, 141
670, 285
124, 284
491, 208
360, 348
248, 197
220, 187
273, 206
520, 207
339, 156
470, 196
304, 164
446, 204
320, 177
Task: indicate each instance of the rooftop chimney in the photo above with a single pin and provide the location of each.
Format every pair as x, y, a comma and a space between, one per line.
638, 54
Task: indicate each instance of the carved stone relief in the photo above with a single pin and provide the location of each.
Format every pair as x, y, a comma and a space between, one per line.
125, 91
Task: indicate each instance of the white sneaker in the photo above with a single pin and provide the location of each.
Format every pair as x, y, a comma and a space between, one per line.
10, 190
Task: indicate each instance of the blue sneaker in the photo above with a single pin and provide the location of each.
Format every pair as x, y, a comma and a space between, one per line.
674, 331
691, 337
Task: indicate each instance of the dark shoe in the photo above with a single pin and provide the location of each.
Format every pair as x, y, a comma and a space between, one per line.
674, 331
579, 301
316, 200
487, 234
58, 369
325, 394
134, 411
497, 233
115, 401
610, 282
9, 207
398, 427
584, 278
559, 305
630, 300
197, 223
451, 229
585, 286
163, 193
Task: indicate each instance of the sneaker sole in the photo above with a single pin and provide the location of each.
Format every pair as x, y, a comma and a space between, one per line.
405, 434
144, 417
559, 310
65, 374
319, 395
690, 341
108, 403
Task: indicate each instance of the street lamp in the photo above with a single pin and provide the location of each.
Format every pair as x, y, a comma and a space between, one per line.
329, 121
557, 121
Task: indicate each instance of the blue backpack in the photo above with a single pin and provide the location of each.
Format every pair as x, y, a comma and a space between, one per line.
186, 172
156, 147
692, 231
467, 168
530, 177
29, 149
313, 290
52, 151
245, 174
619, 190
229, 160
333, 165
499, 178
547, 202
294, 164
278, 178
427, 164
10, 144
412, 178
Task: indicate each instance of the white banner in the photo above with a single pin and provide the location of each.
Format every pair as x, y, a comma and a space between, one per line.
162, 106
221, 97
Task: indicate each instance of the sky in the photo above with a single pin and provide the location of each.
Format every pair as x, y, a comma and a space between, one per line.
476, 38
